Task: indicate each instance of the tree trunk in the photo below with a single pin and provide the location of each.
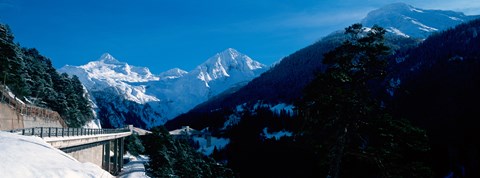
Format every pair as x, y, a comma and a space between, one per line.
337, 152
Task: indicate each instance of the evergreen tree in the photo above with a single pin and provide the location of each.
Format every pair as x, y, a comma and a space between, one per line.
134, 145
31, 76
175, 158
352, 133
13, 68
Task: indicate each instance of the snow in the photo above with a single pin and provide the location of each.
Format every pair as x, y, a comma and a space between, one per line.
397, 32
29, 156
416, 10
183, 131
407, 21
276, 135
423, 27
235, 117
394, 84
168, 94
135, 168
456, 18
220, 143
93, 124
260, 104
282, 106
232, 120
240, 108
13, 96
173, 73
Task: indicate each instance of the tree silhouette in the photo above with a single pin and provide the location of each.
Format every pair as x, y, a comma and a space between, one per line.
350, 129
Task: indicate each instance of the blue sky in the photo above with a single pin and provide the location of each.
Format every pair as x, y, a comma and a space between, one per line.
163, 34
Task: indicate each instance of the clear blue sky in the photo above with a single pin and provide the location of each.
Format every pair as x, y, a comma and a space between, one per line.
163, 34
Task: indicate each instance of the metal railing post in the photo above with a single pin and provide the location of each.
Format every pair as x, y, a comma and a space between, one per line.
41, 132
49, 131
33, 130
56, 132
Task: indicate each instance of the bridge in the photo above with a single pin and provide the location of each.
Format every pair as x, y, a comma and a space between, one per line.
103, 147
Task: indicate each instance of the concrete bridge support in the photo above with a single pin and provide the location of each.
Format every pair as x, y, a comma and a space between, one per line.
113, 163
106, 150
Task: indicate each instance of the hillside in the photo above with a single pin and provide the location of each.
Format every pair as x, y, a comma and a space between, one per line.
33, 80
408, 21
438, 90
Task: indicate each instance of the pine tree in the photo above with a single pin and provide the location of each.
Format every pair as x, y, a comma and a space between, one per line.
32, 76
349, 128
13, 68
176, 158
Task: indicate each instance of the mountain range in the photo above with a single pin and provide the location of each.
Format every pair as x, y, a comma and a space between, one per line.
133, 95
433, 82
126, 94
283, 84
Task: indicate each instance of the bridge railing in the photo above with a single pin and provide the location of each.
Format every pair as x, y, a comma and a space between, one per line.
65, 132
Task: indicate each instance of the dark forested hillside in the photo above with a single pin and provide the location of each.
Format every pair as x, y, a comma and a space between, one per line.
439, 88
433, 85
32, 78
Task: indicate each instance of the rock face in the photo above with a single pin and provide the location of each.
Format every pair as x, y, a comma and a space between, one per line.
126, 94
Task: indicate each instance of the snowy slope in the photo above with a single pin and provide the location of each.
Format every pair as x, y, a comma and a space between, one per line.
133, 95
27, 156
405, 20
135, 168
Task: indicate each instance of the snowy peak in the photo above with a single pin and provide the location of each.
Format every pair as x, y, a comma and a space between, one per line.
225, 63
172, 74
108, 59
408, 21
107, 67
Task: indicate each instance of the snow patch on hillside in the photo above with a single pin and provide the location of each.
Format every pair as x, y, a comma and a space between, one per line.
220, 143
276, 135
282, 107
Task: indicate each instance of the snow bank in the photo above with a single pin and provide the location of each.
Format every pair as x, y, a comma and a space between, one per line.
27, 156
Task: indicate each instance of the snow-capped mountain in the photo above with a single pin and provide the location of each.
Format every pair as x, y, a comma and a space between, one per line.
128, 94
108, 71
299, 68
408, 21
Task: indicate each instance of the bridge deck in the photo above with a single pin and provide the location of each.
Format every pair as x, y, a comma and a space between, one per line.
71, 141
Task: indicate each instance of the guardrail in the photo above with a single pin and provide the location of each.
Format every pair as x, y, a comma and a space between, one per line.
65, 132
